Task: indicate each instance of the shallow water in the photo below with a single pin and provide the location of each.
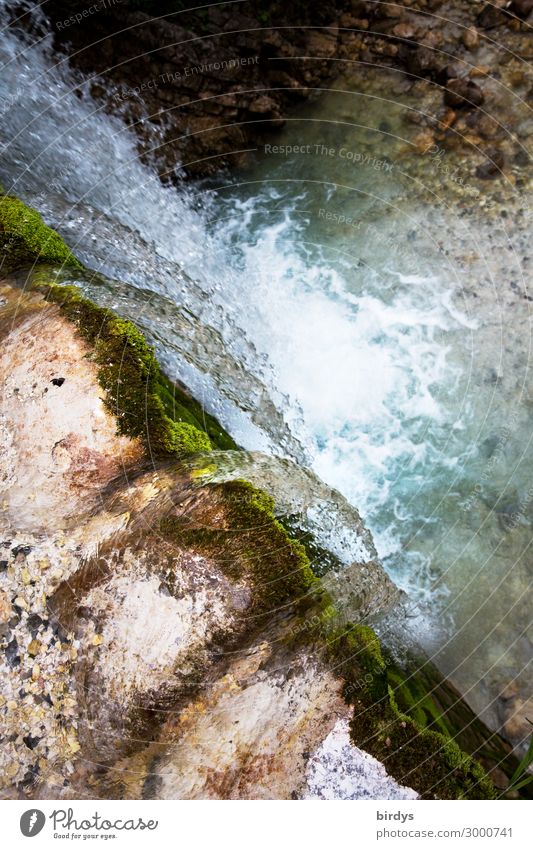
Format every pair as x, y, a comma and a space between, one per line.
331, 309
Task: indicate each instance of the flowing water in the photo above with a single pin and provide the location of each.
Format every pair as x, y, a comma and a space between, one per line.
330, 309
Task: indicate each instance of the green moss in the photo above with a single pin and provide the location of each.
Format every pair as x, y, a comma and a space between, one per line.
249, 542
413, 699
426, 760
25, 238
130, 375
180, 406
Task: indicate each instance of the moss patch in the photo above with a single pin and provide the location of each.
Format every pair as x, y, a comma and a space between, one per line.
130, 375
25, 238
182, 407
426, 760
413, 699
246, 541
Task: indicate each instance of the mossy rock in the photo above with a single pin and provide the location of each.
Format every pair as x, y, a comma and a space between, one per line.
249, 543
130, 375
426, 760
25, 238
145, 403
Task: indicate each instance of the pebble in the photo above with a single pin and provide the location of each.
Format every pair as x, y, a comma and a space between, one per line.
471, 38
34, 648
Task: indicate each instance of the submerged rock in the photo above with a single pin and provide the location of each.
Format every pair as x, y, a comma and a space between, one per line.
462, 93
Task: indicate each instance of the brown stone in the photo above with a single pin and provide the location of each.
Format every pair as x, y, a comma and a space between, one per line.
463, 94
471, 38
521, 8
446, 118
479, 71
404, 30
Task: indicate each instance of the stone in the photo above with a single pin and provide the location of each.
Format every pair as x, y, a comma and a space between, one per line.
492, 166
491, 16
404, 30
463, 94
34, 648
470, 38
521, 8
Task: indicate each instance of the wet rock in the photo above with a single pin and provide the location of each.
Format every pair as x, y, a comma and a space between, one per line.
404, 30
178, 628
463, 94
449, 72
264, 106
418, 61
517, 719
484, 125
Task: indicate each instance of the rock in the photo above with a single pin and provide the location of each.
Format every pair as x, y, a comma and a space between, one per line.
521, 8
31, 742
34, 648
463, 94
34, 622
470, 38
518, 719
404, 30
20, 552
338, 770
522, 158
480, 71
263, 105
446, 118
491, 16
418, 60
493, 165
484, 125
451, 71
